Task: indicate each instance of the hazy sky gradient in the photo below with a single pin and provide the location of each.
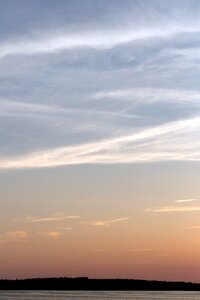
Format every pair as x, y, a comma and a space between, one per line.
100, 138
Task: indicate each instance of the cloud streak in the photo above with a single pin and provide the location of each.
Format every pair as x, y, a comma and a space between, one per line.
14, 236
185, 200
119, 95
172, 209
51, 218
105, 222
51, 234
152, 144
142, 250
141, 96
98, 39
194, 227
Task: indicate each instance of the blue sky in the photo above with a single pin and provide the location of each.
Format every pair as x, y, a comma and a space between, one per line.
100, 138
98, 82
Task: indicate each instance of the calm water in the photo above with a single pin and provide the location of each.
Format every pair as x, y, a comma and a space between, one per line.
32, 295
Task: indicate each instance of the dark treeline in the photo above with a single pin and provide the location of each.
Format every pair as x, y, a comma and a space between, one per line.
84, 283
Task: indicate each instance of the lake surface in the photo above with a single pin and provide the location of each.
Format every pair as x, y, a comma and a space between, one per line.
52, 295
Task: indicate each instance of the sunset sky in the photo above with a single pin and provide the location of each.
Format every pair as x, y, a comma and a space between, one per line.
100, 139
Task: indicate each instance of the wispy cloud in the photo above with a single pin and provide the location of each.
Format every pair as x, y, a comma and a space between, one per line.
148, 251
168, 209
140, 96
194, 227
103, 39
63, 228
16, 108
185, 200
178, 140
14, 236
110, 92
55, 218
52, 234
142, 250
105, 222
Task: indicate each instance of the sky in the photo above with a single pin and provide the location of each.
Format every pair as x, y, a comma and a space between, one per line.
100, 139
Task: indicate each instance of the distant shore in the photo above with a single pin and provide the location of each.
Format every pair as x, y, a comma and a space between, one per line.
85, 283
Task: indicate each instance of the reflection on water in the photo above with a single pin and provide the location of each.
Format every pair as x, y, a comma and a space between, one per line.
99, 295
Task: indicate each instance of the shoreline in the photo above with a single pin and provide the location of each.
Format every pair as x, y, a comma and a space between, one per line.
90, 284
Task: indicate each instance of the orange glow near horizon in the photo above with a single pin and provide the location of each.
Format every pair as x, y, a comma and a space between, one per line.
99, 237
